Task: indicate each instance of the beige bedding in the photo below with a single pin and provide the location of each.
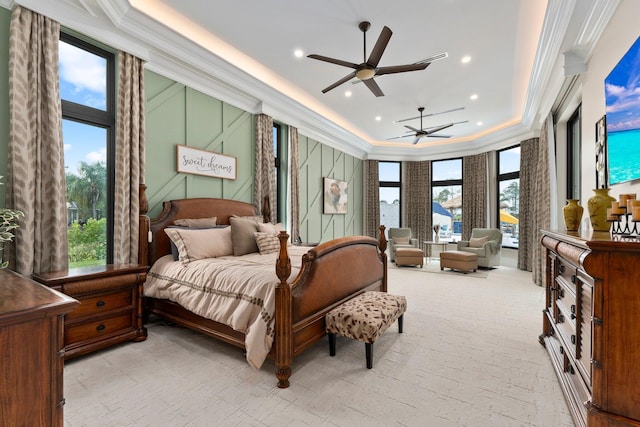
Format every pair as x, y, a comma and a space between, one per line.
237, 291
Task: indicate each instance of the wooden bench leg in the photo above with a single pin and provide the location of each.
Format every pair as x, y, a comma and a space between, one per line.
400, 323
332, 344
368, 347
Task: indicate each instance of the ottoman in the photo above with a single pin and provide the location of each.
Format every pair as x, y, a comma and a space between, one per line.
365, 318
409, 256
459, 260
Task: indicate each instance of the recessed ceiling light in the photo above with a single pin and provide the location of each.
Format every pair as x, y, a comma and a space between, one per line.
479, 123
298, 53
465, 59
473, 97
378, 118
347, 94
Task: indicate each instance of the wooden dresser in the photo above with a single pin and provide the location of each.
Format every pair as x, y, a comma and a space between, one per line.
591, 325
31, 322
110, 310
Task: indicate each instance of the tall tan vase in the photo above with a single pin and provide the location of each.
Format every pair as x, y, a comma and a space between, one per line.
572, 213
597, 206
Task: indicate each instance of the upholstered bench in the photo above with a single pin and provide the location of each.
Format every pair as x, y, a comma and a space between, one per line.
459, 260
409, 256
365, 318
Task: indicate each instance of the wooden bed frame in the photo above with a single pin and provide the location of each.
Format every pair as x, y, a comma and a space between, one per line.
331, 273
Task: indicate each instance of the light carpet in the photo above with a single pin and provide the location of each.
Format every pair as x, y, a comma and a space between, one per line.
433, 266
469, 356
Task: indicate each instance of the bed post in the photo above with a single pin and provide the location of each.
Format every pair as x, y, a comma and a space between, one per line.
144, 224
382, 246
283, 327
266, 209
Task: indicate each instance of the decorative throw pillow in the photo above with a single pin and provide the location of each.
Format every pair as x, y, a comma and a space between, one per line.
478, 242
401, 240
267, 227
196, 222
268, 243
242, 238
201, 243
258, 219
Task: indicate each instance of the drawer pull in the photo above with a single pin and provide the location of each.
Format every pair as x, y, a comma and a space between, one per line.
573, 311
572, 371
100, 304
561, 293
561, 268
100, 327
573, 278
560, 318
573, 339
561, 350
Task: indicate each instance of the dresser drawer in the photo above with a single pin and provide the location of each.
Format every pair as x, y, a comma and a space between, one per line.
566, 274
567, 303
98, 328
96, 304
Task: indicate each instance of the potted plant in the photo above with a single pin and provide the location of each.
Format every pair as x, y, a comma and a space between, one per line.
8, 223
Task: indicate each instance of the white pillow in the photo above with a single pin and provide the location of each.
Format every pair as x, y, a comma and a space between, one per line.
267, 227
202, 243
268, 243
478, 242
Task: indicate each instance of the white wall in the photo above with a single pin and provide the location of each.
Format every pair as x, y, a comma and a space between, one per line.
620, 34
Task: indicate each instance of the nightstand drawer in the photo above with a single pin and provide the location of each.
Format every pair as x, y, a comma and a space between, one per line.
97, 328
97, 304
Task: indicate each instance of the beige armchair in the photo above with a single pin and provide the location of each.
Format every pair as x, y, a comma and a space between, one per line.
486, 243
400, 238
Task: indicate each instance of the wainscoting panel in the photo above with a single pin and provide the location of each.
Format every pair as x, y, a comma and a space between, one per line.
177, 114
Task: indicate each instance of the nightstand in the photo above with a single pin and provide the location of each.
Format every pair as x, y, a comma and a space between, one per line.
110, 309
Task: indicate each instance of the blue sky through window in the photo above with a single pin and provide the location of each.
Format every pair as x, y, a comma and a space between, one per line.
83, 80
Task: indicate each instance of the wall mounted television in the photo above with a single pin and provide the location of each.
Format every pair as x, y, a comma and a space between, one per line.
622, 91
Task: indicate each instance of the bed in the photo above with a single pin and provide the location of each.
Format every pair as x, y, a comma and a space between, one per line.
328, 275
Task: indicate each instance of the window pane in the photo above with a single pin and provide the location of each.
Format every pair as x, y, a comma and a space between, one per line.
509, 211
447, 211
510, 160
389, 171
83, 76
447, 169
85, 149
390, 207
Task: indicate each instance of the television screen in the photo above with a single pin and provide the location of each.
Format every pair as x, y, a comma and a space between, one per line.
622, 91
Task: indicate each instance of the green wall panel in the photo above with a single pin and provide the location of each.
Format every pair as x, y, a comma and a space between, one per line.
177, 114
5, 18
318, 161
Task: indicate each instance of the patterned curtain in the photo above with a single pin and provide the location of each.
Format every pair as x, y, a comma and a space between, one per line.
36, 177
294, 182
535, 201
264, 184
371, 198
474, 193
130, 157
417, 199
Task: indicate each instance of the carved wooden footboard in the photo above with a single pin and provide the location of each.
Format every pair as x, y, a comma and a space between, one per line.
331, 273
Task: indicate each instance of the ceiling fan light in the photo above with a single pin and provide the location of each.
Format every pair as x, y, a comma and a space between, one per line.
365, 73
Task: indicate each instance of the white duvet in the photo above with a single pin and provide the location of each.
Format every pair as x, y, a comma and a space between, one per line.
236, 291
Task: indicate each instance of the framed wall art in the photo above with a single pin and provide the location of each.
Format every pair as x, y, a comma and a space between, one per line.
207, 163
601, 153
335, 196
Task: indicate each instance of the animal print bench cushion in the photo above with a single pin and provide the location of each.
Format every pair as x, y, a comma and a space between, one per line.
366, 317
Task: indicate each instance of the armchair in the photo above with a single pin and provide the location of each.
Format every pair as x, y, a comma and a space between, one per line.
486, 243
400, 238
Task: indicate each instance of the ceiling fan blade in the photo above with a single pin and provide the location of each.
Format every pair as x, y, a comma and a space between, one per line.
435, 129
429, 115
398, 137
333, 61
412, 128
381, 45
422, 61
439, 136
416, 139
400, 69
339, 82
373, 86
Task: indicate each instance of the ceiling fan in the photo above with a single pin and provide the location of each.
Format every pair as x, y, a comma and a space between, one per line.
369, 68
428, 60
427, 132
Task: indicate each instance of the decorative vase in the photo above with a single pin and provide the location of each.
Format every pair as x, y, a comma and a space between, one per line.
572, 212
597, 206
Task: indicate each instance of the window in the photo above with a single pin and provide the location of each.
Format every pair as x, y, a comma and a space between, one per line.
87, 88
277, 143
574, 140
446, 196
390, 182
509, 197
